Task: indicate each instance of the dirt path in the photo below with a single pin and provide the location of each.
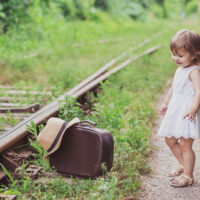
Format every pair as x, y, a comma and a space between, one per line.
156, 184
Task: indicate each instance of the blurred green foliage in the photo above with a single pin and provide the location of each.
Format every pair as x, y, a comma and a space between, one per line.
14, 12
191, 7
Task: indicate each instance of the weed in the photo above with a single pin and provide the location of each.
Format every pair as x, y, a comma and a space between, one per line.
70, 109
9, 175
40, 161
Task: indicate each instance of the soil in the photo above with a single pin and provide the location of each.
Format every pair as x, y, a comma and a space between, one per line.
155, 185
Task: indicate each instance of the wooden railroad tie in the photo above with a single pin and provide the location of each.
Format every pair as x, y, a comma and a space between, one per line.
29, 109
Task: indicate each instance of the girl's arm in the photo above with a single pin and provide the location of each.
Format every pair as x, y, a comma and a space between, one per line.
169, 95
164, 105
195, 78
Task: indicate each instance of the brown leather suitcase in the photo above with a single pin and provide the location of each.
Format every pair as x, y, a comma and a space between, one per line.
83, 150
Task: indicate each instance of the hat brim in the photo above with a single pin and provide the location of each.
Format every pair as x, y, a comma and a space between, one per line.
57, 145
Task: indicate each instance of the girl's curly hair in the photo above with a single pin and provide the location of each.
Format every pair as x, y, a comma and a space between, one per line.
189, 41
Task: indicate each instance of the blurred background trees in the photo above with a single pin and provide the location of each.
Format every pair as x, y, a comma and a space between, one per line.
15, 12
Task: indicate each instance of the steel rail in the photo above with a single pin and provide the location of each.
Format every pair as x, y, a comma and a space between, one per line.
16, 133
107, 66
117, 68
103, 69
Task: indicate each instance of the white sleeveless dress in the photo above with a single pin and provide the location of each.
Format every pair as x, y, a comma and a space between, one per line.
173, 124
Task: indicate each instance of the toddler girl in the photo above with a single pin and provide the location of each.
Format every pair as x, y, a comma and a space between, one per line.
181, 123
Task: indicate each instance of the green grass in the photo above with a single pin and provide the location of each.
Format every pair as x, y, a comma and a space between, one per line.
125, 105
57, 62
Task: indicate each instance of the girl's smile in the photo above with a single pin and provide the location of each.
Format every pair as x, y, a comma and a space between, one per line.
182, 58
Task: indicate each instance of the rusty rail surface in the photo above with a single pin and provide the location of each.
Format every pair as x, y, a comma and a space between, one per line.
16, 133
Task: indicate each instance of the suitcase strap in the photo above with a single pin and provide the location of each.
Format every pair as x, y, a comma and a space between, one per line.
87, 122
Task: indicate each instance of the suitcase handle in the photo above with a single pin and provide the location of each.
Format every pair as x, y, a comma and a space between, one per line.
87, 122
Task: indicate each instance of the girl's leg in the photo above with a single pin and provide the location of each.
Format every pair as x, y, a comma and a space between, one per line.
189, 160
175, 148
188, 155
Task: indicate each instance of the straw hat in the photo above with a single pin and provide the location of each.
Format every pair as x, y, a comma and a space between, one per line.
51, 136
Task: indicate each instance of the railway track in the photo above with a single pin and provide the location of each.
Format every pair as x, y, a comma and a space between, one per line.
17, 104
12, 157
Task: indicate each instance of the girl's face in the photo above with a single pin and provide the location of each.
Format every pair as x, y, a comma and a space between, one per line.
182, 58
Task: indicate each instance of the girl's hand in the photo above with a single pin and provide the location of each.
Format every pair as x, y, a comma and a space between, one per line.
163, 109
191, 116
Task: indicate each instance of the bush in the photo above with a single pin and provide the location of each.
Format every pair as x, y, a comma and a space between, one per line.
13, 11
157, 11
76, 8
192, 7
103, 4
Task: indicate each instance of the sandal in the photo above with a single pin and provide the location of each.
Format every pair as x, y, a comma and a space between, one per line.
177, 171
182, 181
